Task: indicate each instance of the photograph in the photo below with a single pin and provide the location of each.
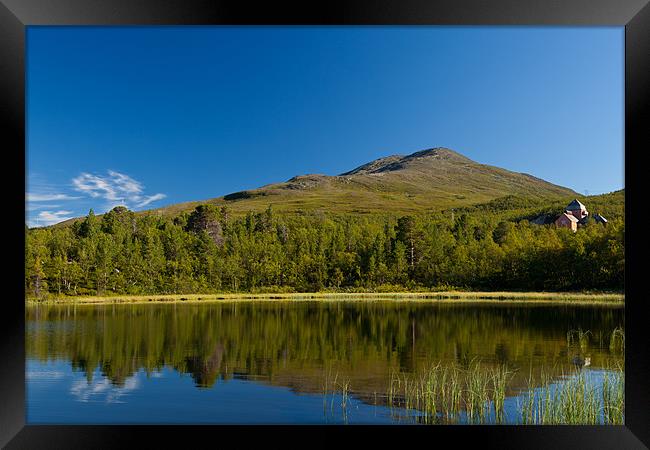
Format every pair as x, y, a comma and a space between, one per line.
325, 225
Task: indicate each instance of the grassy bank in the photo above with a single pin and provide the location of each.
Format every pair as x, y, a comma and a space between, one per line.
450, 296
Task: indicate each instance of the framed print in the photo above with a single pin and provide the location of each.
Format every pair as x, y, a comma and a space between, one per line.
388, 221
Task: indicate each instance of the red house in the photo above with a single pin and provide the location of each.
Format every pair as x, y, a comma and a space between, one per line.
577, 209
567, 220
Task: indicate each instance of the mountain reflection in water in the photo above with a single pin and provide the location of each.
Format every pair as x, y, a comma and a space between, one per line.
304, 346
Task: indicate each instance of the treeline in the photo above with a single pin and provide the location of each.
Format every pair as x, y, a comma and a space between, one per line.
209, 250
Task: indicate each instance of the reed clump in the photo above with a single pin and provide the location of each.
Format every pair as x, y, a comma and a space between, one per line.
331, 386
617, 340
578, 337
477, 395
613, 392
581, 398
449, 393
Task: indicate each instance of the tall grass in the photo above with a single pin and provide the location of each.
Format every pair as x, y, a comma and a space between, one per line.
617, 340
444, 393
332, 386
500, 377
578, 336
577, 399
420, 293
613, 392
477, 395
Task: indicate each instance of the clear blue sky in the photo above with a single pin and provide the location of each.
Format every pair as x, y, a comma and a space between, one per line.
149, 116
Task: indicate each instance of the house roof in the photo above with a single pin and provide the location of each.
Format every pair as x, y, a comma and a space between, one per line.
599, 218
575, 205
540, 220
570, 216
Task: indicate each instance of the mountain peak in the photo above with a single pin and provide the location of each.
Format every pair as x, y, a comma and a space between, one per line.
439, 152
398, 162
374, 166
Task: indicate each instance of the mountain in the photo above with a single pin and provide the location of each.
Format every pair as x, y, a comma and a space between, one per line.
426, 180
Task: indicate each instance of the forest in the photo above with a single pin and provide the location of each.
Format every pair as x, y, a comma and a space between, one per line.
211, 250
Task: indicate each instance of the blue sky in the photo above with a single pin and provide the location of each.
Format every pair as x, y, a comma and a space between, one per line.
150, 116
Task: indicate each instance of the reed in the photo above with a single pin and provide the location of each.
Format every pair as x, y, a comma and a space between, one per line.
578, 399
526, 403
330, 387
345, 396
455, 394
578, 336
613, 392
443, 393
500, 377
477, 395
617, 340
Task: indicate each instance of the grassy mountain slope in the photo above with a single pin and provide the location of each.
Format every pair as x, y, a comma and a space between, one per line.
429, 180
424, 181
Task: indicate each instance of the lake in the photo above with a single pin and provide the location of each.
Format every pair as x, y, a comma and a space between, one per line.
323, 362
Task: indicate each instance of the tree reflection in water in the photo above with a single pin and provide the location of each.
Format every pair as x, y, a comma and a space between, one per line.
297, 344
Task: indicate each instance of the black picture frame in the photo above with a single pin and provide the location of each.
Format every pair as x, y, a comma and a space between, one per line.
634, 15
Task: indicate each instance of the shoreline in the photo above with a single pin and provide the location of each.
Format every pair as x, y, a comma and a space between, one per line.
447, 297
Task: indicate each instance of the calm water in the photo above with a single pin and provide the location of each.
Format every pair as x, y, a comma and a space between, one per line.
282, 362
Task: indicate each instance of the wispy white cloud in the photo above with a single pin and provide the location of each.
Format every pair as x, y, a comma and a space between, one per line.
125, 183
110, 190
116, 188
150, 199
95, 186
37, 206
37, 200
34, 197
45, 218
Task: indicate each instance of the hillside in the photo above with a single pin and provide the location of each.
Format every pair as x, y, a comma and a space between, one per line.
431, 220
427, 180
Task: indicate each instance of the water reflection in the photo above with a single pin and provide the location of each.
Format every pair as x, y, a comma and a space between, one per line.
299, 345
